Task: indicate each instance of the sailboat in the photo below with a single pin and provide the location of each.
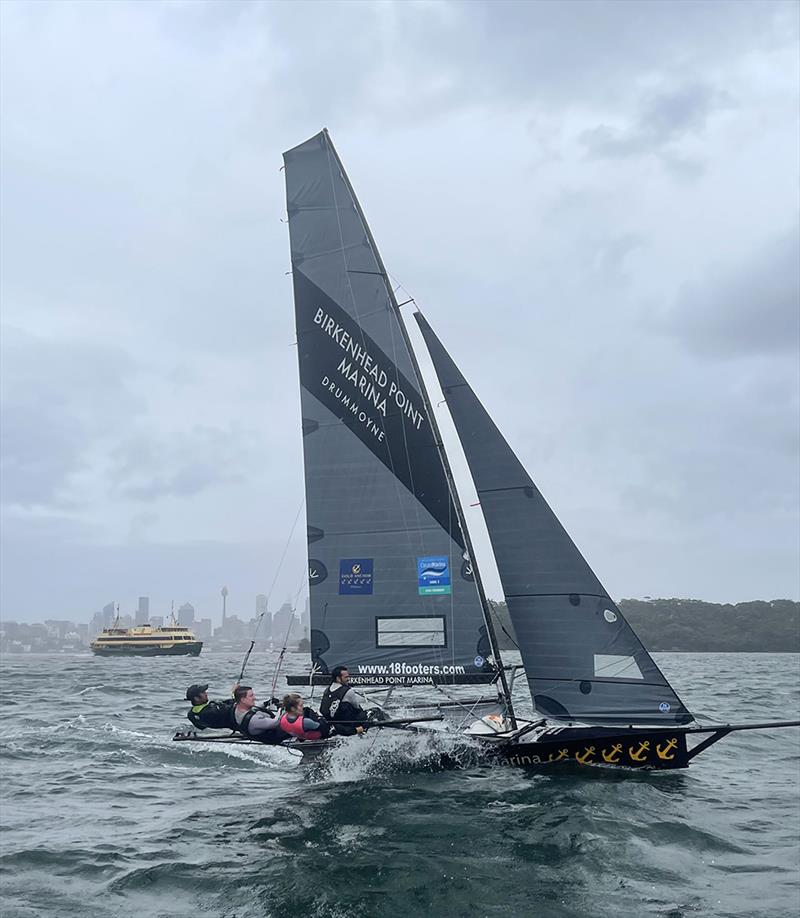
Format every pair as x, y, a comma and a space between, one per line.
395, 588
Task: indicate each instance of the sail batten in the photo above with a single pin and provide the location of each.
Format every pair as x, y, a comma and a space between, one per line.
579, 651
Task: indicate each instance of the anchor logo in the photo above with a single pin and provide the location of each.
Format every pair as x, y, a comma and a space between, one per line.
613, 756
562, 754
641, 753
665, 752
586, 755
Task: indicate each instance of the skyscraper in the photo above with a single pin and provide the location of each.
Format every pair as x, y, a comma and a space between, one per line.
186, 615
284, 624
109, 614
143, 610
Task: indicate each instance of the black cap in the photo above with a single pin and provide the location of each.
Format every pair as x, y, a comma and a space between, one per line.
194, 690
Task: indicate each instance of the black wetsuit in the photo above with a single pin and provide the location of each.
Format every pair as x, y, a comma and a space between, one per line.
336, 707
217, 715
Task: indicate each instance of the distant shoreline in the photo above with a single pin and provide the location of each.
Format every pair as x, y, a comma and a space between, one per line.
695, 626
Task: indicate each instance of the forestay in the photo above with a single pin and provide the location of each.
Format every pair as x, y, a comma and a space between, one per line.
392, 594
582, 659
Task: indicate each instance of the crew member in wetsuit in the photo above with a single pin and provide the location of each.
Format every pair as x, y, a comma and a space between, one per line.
341, 702
256, 723
204, 713
298, 720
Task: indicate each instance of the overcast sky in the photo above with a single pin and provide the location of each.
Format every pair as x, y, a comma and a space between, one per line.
596, 205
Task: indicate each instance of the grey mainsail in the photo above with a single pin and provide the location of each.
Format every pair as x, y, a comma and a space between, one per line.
391, 591
582, 659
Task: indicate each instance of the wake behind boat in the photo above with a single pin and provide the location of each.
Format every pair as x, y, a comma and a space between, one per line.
395, 586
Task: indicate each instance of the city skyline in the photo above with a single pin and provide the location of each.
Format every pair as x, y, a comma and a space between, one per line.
285, 624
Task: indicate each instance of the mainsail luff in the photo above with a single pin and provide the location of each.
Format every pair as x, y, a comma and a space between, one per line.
582, 659
378, 499
437, 436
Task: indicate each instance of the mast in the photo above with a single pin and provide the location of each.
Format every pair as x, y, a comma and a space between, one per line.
462, 522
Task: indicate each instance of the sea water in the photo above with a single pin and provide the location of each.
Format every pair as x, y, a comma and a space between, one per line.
103, 815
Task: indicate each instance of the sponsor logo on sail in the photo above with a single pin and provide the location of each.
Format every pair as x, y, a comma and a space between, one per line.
433, 575
355, 577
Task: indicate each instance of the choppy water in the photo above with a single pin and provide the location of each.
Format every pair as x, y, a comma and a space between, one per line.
103, 815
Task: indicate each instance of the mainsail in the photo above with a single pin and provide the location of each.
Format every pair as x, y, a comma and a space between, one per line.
392, 590
583, 661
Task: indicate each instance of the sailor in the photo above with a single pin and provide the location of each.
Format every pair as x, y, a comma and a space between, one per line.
257, 723
341, 702
205, 713
301, 721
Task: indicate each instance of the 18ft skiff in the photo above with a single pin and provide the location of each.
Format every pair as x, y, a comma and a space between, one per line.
395, 587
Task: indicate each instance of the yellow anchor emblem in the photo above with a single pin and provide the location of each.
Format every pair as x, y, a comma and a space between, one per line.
641, 753
613, 756
665, 752
562, 754
586, 755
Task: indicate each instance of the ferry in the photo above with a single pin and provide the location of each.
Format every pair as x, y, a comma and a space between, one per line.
146, 641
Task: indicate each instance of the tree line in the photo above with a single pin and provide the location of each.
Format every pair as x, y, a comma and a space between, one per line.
696, 626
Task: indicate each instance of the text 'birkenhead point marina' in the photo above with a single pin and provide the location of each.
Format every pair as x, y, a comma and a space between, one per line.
372, 383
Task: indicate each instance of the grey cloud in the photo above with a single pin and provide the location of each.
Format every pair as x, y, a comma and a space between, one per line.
749, 309
58, 399
89, 572
663, 121
183, 464
414, 62
141, 200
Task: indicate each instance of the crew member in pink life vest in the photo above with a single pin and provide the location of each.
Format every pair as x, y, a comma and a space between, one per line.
298, 722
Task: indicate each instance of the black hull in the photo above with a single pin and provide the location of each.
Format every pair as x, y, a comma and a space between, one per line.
632, 748
189, 649
639, 749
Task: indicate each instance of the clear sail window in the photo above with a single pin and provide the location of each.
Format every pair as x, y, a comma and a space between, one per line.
404, 631
612, 666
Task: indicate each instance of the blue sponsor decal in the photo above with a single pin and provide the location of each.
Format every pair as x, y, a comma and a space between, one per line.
664, 707
433, 575
355, 577
479, 661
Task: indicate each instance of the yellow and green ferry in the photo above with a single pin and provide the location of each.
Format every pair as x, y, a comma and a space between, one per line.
146, 641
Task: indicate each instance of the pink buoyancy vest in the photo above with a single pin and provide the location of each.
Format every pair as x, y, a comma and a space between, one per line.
295, 728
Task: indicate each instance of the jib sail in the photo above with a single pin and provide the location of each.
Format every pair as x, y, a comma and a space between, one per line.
392, 592
583, 661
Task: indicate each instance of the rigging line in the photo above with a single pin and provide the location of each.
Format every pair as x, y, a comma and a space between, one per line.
279, 664
460, 704
450, 485
269, 594
462, 519
286, 548
493, 606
